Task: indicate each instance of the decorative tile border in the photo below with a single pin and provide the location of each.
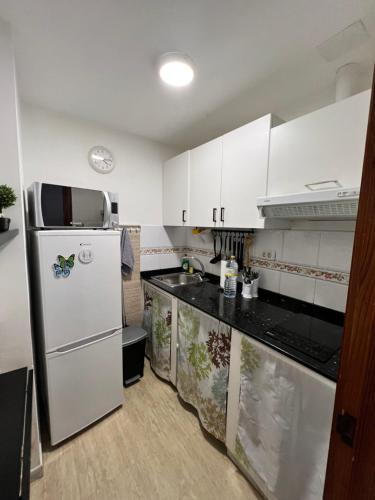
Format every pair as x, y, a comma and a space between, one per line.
200, 251
162, 250
171, 250
275, 265
307, 271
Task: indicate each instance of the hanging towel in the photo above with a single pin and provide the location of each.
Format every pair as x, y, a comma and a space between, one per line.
127, 255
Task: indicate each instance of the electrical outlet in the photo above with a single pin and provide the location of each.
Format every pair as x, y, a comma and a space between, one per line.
269, 254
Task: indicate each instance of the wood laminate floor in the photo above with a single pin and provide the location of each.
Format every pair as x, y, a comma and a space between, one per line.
152, 448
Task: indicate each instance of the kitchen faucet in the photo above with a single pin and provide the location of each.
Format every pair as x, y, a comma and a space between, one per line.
202, 271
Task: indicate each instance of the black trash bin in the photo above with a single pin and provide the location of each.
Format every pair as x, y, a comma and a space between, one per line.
133, 353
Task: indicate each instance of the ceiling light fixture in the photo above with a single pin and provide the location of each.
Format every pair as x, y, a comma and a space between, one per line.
176, 69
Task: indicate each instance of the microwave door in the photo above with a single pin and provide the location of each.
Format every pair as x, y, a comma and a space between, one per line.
88, 208
56, 205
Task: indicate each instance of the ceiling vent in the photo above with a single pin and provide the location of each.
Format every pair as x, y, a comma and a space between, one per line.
342, 42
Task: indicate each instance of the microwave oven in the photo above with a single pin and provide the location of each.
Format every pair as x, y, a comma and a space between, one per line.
53, 206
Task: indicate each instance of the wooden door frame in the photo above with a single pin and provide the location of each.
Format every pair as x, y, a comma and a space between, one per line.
351, 468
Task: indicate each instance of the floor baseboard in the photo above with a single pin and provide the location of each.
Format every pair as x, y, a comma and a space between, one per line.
36, 472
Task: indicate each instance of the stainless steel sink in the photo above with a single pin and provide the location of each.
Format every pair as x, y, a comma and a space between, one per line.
179, 279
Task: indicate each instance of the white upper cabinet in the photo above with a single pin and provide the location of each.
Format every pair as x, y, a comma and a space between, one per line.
226, 176
176, 190
205, 184
326, 145
244, 173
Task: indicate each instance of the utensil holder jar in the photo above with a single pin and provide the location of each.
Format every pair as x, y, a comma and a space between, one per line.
254, 287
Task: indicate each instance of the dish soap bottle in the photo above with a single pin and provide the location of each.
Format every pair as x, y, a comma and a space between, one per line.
185, 263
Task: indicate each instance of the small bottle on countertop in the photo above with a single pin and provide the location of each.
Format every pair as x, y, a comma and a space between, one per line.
223, 270
185, 263
230, 284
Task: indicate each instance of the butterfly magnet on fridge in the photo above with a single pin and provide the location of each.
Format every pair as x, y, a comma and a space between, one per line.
63, 268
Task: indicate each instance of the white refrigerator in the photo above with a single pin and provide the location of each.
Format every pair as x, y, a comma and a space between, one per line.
78, 320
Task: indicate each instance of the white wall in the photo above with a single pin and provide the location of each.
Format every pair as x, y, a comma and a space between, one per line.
15, 330
55, 148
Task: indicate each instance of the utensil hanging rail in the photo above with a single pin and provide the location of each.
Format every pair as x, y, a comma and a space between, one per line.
224, 230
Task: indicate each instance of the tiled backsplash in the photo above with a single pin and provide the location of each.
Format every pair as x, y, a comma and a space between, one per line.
132, 284
162, 247
309, 265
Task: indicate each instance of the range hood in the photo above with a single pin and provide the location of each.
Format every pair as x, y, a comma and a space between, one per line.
330, 204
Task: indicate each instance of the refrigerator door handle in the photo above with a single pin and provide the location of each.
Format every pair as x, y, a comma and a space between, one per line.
85, 342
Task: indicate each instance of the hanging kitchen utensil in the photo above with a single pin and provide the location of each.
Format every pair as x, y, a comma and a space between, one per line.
237, 246
240, 253
247, 251
225, 252
217, 257
214, 237
243, 248
244, 260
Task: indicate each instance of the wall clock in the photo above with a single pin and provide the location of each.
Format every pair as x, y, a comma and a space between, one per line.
101, 159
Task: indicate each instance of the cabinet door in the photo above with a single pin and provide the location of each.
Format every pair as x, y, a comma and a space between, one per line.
176, 190
279, 421
205, 182
202, 366
326, 145
157, 320
244, 173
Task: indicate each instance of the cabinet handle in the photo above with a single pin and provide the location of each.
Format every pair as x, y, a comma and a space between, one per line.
183, 216
222, 214
214, 210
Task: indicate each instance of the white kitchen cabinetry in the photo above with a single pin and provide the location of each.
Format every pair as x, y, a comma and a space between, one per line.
205, 184
244, 173
227, 175
160, 321
326, 145
176, 190
279, 420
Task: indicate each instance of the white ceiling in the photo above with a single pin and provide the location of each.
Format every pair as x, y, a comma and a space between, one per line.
96, 59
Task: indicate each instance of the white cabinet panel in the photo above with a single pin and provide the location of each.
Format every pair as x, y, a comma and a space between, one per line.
205, 182
279, 421
244, 173
176, 190
326, 145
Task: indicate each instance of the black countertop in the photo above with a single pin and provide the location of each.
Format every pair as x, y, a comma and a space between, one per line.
271, 319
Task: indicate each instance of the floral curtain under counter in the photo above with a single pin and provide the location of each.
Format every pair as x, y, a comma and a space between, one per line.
203, 366
147, 315
157, 321
279, 421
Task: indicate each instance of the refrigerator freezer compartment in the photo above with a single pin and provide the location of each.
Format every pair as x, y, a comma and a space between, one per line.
84, 383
